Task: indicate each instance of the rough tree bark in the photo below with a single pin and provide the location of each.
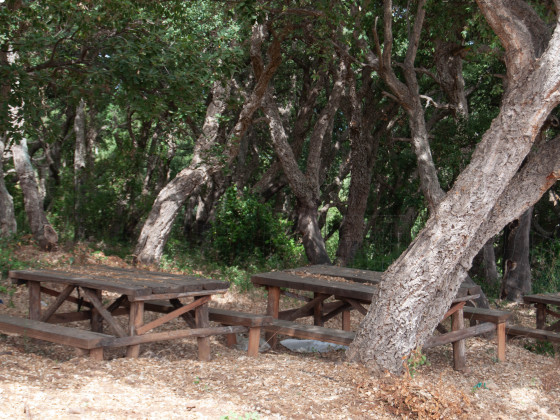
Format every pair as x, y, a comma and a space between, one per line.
156, 229
363, 150
419, 287
41, 229
8, 225
80, 156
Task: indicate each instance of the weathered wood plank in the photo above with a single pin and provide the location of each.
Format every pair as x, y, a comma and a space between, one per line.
51, 332
228, 317
459, 349
92, 296
170, 335
188, 281
171, 315
166, 296
453, 309
67, 278
58, 301
485, 315
353, 274
360, 292
202, 321
309, 306
71, 299
312, 332
450, 337
135, 321
518, 331
34, 300
548, 299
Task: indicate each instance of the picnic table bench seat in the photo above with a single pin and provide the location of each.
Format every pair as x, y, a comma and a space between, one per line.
80, 339
539, 334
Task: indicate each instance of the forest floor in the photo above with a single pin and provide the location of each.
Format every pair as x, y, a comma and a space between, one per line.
40, 380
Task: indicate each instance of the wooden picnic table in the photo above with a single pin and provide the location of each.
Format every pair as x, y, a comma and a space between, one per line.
127, 291
339, 290
544, 304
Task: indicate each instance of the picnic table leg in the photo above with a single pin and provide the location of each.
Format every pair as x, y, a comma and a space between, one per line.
202, 321
541, 316
96, 318
34, 299
136, 319
346, 320
459, 357
318, 312
501, 335
272, 309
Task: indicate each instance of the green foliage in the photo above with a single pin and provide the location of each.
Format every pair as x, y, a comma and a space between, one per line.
478, 386
245, 229
545, 348
8, 261
545, 267
416, 360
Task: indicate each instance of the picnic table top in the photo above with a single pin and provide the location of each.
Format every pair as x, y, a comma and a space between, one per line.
354, 274
363, 292
124, 281
546, 298
340, 281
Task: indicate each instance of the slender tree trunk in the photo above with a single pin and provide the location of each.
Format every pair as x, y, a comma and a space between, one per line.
484, 264
8, 225
419, 287
306, 186
41, 229
80, 156
516, 281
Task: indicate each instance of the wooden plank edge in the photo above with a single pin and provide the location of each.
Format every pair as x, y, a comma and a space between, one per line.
453, 336
171, 335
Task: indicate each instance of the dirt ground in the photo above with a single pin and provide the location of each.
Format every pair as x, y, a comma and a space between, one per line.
40, 380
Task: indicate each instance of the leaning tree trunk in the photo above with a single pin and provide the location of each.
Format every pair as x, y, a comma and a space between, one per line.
419, 287
305, 186
8, 225
41, 229
516, 281
157, 228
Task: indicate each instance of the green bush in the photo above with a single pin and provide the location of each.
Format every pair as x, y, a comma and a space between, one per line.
545, 267
246, 229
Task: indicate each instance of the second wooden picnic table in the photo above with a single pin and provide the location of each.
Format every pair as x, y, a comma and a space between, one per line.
349, 289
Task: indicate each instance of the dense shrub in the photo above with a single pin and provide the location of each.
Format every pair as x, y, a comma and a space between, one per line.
246, 228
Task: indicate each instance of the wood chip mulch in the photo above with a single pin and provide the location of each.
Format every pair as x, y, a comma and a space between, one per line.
40, 380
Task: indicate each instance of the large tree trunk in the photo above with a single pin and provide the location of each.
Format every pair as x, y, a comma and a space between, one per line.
419, 287
8, 225
41, 229
516, 281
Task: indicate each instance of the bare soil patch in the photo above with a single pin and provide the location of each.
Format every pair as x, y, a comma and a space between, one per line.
43, 380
